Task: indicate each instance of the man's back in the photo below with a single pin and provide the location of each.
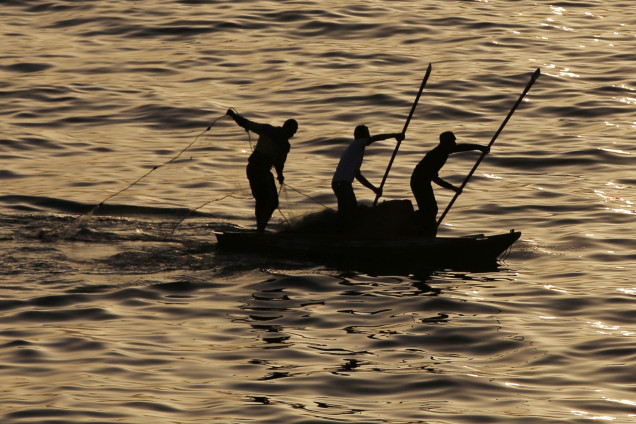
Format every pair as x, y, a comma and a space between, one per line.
350, 161
433, 161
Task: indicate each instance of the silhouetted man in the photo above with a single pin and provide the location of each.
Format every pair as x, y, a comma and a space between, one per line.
427, 171
349, 168
271, 149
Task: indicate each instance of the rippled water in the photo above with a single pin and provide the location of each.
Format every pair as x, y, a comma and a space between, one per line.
131, 315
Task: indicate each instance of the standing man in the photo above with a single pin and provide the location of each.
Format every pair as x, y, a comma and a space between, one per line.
427, 171
271, 149
349, 168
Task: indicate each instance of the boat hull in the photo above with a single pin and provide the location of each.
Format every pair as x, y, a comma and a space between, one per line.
403, 252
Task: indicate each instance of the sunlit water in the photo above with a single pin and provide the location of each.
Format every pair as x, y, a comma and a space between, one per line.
130, 314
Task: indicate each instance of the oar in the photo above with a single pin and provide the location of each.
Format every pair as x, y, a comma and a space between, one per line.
534, 77
406, 124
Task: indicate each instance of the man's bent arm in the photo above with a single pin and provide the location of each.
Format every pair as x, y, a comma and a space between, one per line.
445, 184
365, 182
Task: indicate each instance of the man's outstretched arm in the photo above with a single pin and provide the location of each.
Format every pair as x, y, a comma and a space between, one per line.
379, 137
255, 127
466, 147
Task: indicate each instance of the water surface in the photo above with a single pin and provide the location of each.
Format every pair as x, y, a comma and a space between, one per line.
131, 315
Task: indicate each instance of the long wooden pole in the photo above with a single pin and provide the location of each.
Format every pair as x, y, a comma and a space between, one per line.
406, 124
534, 77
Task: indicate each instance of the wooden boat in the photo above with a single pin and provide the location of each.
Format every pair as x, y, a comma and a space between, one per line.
408, 253
388, 245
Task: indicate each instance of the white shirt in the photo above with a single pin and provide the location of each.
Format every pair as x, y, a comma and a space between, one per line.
351, 161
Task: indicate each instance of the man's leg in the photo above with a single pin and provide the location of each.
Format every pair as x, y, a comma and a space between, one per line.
427, 207
347, 202
265, 195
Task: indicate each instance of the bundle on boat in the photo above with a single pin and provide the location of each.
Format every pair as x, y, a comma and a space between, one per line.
395, 218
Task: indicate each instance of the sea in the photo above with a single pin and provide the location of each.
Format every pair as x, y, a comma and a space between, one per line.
119, 166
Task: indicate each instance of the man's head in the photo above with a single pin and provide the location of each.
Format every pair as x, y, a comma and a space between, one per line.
290, 126
447, 139
361, 131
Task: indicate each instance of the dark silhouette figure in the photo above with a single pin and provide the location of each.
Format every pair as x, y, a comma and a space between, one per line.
427, 171
271, 149
349, 168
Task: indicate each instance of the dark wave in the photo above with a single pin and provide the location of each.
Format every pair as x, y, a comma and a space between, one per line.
49, 204
27, 67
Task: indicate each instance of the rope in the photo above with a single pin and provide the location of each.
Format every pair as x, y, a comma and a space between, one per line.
307, 196
184, 217
156, 167
87, 215
282, 186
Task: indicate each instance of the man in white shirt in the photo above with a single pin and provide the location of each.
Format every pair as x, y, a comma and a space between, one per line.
349, 168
